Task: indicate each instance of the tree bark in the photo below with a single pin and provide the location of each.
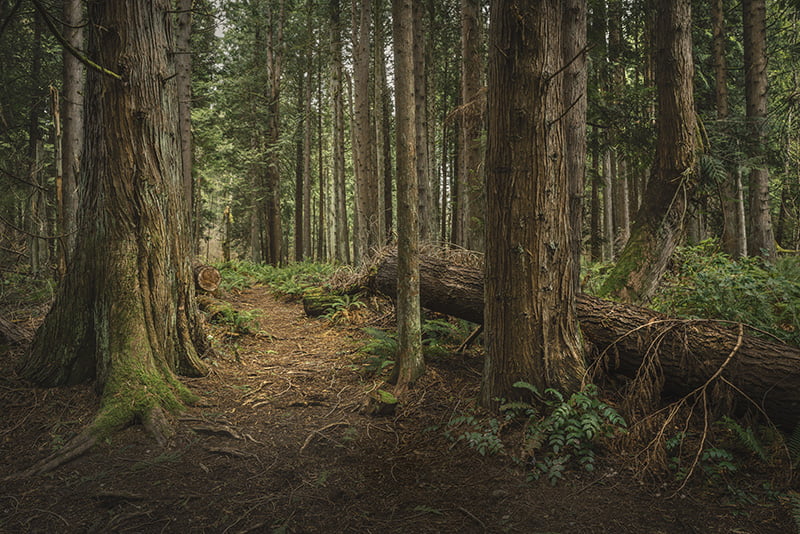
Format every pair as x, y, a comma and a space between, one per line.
760, 239
72, 117
689, 352
125, 315
410, 364
531, 330
341, 230
473, 197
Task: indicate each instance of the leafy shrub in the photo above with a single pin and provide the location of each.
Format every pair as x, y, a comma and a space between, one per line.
708, 284
290, 280
557, 433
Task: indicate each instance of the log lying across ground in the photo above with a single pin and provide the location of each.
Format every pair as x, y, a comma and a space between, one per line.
689, 352
206, 277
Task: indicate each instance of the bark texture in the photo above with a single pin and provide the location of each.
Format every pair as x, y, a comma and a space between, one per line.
689, 352
125, 314
531, 329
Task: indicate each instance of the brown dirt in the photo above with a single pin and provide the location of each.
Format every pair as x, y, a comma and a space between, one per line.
279, 444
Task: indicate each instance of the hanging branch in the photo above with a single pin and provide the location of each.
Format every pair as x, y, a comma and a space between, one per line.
72, 50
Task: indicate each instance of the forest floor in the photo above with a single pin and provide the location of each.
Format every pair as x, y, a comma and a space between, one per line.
280, 444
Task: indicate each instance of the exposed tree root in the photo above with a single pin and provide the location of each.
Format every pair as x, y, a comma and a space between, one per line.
72, 450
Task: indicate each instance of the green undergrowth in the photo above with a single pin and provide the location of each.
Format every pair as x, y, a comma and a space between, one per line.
440, 337
291, 280
546, 437
707, 284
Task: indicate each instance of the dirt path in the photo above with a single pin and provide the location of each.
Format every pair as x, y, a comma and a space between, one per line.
279, 445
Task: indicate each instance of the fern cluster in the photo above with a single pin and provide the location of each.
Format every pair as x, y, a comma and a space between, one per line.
558, 432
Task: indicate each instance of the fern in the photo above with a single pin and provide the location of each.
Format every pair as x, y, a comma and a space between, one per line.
747, 437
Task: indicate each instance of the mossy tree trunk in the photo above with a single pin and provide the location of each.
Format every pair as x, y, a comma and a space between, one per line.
531, 330
125, 314
659, 224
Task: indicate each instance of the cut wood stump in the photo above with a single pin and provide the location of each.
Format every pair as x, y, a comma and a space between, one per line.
206, 278
689, 352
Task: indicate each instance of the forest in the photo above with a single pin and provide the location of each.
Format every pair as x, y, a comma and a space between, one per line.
399, 265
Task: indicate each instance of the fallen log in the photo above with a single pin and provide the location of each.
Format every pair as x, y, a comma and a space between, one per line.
689, 352
206, 278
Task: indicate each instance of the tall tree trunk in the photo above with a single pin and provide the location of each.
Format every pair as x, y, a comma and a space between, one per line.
125, 314
426, 208
368, 202
299, 169
183, 71
272, 203
384, 122
410, 364
608, 207
531, 329
573, 55
731, 240
659, 225
760, 240
72, 120
472, 150
342, 238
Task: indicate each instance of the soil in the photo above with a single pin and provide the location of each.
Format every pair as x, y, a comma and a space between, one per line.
281, 443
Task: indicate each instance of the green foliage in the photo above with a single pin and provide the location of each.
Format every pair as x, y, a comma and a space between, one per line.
340, 306
558, 432
239, 321
290, 280
380, 350
708, 284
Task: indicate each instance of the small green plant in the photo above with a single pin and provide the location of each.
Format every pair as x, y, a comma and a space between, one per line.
379, 351
557, 433
239, 321
341, 307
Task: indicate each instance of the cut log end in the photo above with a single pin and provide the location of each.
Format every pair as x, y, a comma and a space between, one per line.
206, 278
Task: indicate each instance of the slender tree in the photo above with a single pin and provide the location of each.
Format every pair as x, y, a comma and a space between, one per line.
410, 364
72, 120
760, 239
531, 329
125, 315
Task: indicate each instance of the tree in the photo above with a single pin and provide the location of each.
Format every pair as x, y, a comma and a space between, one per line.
760, 239
531, 330
125, 315
410, 364
471, 178
72, 117
341, 238
659, 224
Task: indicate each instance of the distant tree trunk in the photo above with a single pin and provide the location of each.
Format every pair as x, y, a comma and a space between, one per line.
608, 207
732, 242
37, 247
125, 315
531, 330
426, 210
595, 220
272, 203
760, 239
659, 224
72, 120
472, 150
342, 238
410, 364
322, 228
183, 71
368, 202
299, 168
575, 79
384, 124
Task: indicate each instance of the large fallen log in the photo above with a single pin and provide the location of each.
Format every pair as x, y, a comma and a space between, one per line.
689, 352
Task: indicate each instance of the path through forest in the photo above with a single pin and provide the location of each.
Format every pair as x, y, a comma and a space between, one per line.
280, 444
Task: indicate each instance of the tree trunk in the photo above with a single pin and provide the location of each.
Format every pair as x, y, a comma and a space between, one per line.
183, 71
471, 175
342, 238
531, 330
426, 210
367, 199
72, 120
689, 352
125, 314
573, 55
659, 224
272, 203
410, 364
760, 239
